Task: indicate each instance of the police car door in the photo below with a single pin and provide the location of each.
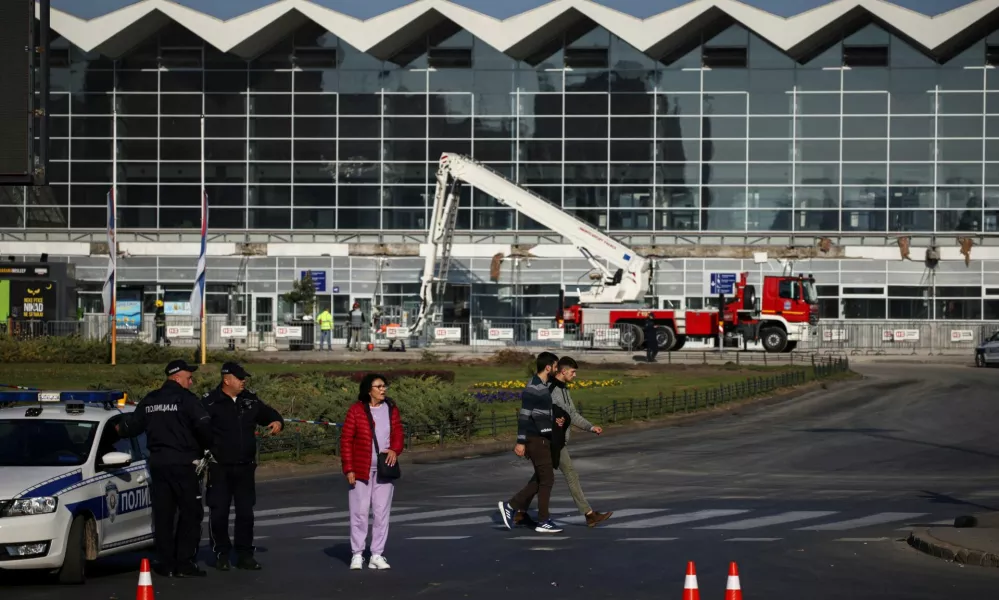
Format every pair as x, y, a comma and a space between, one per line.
990, 349
127, 514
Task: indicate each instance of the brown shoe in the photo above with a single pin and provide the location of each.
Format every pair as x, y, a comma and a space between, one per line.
522, 518
596, 517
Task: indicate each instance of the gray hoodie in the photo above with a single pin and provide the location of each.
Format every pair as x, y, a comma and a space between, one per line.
562, 399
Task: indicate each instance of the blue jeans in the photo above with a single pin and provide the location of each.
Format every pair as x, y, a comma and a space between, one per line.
326, 335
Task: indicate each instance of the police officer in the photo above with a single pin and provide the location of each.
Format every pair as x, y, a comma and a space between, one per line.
178, 431
235, 414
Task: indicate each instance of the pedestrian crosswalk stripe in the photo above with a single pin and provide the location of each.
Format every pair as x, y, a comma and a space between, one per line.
648, 539
787, 517
875, 519
484, 519
676, 519
309, 518
626, 512
329, 537
276, 511
750, 539
440, 537
537, 538
421, 516
879, 539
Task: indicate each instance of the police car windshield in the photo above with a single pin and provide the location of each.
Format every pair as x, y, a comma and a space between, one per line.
45, 442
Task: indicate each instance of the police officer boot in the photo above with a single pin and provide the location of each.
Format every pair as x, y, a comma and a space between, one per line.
190, 569
222, 562
248, 563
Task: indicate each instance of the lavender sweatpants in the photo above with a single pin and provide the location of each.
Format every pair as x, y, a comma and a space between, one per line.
375, 496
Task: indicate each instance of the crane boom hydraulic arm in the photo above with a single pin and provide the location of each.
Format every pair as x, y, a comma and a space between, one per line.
629, 283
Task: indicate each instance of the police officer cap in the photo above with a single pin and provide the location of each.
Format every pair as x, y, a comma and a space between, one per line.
234, 369
179, 365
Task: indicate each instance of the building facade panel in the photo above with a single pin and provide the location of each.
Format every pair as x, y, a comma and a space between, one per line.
726, 135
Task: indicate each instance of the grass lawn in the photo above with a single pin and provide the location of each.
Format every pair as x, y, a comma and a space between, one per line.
638, 381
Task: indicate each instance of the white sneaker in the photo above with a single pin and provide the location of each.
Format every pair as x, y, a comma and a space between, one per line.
357, 562
378, 562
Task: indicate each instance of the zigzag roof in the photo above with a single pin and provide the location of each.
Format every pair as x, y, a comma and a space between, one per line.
247, 35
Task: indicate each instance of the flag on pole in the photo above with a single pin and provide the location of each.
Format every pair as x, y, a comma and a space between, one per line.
107, 293
198, 294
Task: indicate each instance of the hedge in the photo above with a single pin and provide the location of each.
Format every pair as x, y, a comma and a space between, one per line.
424, 402
77, 350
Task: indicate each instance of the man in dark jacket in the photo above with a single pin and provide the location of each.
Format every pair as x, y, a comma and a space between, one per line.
235, 414
178, 431
534, 440
651, 339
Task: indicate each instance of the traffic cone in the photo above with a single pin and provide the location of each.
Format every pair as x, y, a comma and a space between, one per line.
733, 591
690, 591
145, 589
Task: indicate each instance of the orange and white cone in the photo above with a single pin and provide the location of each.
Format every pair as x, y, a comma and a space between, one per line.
733, 591
690, 591
145, 589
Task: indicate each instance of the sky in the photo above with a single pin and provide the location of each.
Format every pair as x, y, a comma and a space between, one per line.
501, 9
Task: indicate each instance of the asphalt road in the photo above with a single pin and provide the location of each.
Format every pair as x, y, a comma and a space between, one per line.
811, 497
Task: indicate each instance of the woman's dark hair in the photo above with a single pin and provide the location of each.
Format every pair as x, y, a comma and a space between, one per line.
364, 394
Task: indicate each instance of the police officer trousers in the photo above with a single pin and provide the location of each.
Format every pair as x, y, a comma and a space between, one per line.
176, 489
229, 484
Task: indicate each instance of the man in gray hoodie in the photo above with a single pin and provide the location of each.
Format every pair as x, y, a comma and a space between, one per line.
564, 374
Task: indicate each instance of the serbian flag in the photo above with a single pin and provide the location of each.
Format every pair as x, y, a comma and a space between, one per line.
199, 279
107, 293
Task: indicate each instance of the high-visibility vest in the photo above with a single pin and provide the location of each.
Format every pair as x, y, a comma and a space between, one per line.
325, 320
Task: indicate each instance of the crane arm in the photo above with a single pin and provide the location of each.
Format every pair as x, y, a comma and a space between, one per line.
629, 283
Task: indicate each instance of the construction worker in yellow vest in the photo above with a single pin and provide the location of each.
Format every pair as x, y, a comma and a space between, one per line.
325, 320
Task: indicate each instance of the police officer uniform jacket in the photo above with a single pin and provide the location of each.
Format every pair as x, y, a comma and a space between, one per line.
234, 423
177, 427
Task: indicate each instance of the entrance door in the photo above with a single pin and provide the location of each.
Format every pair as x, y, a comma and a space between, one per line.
262, 313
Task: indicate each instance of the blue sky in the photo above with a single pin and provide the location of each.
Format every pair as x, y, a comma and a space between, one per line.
226, 9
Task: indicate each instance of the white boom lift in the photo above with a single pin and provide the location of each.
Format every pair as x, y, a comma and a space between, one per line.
629, 283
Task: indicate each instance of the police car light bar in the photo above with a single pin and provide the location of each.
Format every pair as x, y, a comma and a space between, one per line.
85, 397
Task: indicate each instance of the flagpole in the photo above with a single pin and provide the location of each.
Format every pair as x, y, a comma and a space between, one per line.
114, 237
204, 217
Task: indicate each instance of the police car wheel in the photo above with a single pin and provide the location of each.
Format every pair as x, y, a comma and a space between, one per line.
979, 359
74, 565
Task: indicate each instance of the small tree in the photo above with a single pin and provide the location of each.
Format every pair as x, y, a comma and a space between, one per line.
303, 293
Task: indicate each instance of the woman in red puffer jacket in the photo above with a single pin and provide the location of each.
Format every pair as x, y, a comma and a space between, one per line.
373, 412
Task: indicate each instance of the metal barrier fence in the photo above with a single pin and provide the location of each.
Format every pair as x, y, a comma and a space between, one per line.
325, 437
837, 336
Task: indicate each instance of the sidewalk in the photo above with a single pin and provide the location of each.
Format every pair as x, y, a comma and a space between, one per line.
978, 546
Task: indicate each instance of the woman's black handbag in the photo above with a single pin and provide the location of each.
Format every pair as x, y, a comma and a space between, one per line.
384, 470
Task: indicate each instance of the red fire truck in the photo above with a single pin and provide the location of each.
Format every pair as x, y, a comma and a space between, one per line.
784, 314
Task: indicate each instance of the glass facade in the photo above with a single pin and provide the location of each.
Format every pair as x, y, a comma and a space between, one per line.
725, 134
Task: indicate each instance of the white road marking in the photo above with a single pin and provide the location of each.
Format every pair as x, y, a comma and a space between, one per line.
537, 538
648, 539
875, 519
466, 496
434, 514
675, 519
329, 537
750, 539
316, 517
440, 537
275, 511
879, 539
787, 517
627, 512
485, 520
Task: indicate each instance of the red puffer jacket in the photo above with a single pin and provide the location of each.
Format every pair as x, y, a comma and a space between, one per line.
356, 442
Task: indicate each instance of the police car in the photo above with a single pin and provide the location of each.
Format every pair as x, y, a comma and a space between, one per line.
71, 490
987, 353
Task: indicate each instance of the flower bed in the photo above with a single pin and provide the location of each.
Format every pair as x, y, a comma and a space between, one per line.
514, 384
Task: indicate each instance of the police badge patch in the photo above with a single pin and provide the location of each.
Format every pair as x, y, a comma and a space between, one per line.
111, 501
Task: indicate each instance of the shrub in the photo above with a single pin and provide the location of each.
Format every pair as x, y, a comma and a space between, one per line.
77, 350
425, 403
357, 376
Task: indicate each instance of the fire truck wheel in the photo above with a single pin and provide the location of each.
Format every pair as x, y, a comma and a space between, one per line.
680, 341
790, 347
774, 339
631, 337
665, 338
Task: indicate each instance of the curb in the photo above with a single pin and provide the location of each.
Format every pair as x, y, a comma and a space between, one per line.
923, 540
499, 447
